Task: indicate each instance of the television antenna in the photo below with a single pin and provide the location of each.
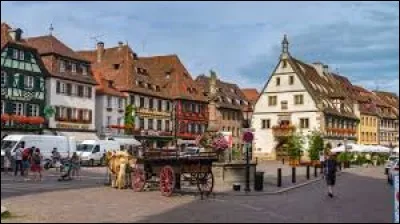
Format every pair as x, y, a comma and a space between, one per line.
96, 38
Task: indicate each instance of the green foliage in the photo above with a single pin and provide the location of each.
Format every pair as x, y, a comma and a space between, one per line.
129, 119
316, 145
294, 146
344, 157
236, 155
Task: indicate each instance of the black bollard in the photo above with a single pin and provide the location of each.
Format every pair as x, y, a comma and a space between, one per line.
315, 171
178, 181
293, 174
386, 171
279, 183
308, 172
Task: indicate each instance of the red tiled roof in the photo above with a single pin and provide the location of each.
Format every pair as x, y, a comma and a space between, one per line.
104, 86
175, 79
251, 95
51, 45
226, 90
126, 77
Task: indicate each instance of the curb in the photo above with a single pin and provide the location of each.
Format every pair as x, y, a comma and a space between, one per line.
284, 190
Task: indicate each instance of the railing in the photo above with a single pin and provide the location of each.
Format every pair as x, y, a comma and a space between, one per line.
341, 132
283, 130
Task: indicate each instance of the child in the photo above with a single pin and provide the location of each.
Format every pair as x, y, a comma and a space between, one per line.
36, 166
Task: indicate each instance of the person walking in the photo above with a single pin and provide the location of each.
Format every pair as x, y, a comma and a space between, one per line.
18, 159
26, 159
330, 168
7, 161
36, 167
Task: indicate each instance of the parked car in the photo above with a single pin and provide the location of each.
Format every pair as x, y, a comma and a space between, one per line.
393, 171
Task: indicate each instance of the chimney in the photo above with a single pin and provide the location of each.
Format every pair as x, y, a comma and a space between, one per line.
120, 45
16, 34
100, 51
326, 69
319, 67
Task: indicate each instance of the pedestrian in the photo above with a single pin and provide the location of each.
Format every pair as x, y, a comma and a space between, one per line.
7, 161
18, 159
36, 165
75, 163
26, 159
330, 169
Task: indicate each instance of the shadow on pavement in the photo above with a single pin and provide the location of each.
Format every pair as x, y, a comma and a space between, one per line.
359, 197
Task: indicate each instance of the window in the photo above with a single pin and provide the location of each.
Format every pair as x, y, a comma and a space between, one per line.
18, 109
304, 123
62, 66
108, 121
69, 89
168, 106
151, 103
272, 100
80, 91
159, 105
159, 125
15, 54
141, 102
89, 91
3, 107
141, 122
278, 81
3, 78
265, 124
284, 105
167, 125
29, 82
291, 80
21, 55
109, 101
84, 70
73, 67
298, 99
150, 124
116, 66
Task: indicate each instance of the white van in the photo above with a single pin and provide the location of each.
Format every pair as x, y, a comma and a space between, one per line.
46, 143
92, 151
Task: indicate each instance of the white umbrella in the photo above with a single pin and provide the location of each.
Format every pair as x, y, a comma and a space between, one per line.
396, 150
378, 149
351, 148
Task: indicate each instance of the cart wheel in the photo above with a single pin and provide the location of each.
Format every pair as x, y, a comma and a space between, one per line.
167, 181
138, 180
205, 183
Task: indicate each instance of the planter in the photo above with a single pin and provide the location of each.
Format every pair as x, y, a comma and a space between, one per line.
294, 162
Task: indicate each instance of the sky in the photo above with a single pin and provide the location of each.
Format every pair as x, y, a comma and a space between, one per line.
239, 40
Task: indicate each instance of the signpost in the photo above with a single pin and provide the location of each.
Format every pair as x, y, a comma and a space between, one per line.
248, 139
396, 199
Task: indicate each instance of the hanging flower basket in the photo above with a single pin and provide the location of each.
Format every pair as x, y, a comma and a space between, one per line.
5, 117
19, 119
35, 120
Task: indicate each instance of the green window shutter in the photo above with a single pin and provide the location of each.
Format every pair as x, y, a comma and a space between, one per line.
21, 83
10, 52
37, 84
28, 57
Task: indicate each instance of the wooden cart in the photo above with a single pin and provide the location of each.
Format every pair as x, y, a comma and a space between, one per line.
168, 168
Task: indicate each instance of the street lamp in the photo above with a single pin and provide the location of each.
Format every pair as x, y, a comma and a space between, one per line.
248, 139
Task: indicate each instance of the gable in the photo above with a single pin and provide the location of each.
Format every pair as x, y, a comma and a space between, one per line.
19, 58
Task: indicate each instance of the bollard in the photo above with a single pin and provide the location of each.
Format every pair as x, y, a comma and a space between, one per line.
279, 184
315, 171
178, 181
308, 172
386, 171
321, 166
293, 174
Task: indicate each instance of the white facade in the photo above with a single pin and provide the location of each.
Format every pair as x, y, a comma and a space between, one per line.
285, 91
58, 98
110, 110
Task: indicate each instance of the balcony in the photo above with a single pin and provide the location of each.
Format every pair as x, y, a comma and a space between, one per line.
283, 130
153, 112
341, 132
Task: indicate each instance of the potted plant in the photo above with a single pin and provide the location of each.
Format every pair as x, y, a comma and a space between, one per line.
219, 145
294, 148
5, 117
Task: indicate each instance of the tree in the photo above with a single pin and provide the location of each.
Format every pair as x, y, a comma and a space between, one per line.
294, 146
316, 145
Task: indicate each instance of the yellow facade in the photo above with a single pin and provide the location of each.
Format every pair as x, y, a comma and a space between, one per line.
367, 131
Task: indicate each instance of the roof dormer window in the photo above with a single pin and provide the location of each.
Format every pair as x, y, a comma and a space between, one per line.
116, 66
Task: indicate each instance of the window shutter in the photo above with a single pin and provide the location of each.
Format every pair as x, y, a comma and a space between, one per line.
90, 92
57, 113
58, 87
10, 52
90, 116
69, 89
69, 113
80, 114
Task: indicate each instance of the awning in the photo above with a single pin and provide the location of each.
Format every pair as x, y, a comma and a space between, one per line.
80, 136
126, 141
